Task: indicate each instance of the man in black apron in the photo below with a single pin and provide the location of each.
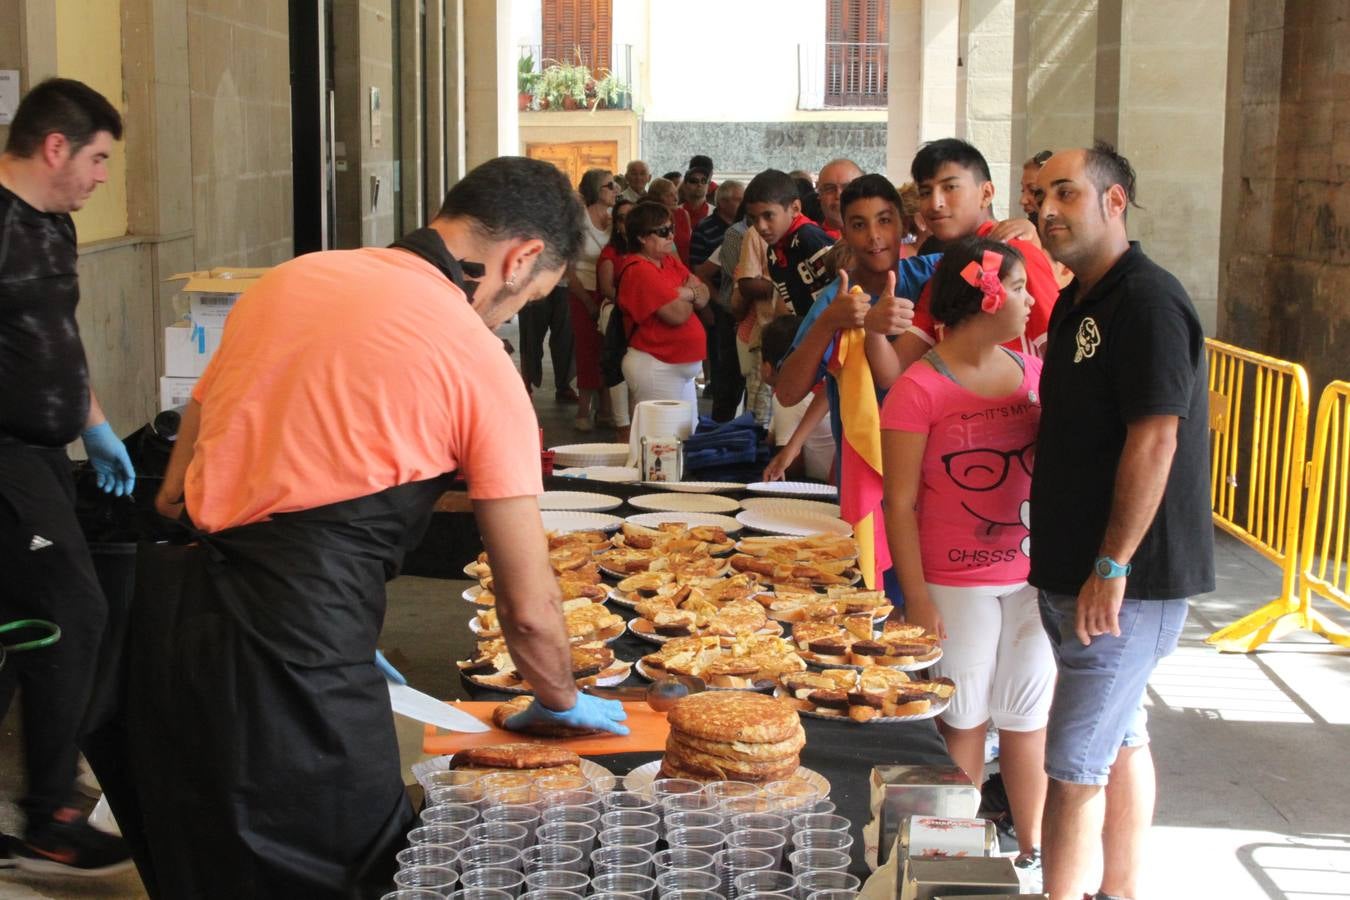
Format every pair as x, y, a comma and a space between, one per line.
261, 754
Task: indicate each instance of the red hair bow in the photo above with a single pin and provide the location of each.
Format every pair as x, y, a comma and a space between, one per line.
984, 275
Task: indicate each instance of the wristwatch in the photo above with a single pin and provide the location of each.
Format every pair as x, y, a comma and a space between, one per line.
1106, 567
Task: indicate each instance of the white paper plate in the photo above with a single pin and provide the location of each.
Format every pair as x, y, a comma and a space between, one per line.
786, 504
603, 778
639, 781
789, 522
611, 474
578, 500
692, 519
672, 502
568, 520
471, 595
471, 569
590, 454
696, 487
620, 671
793, 488
933, 712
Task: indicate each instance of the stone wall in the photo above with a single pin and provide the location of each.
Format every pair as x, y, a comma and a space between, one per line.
744, 148
1286, 261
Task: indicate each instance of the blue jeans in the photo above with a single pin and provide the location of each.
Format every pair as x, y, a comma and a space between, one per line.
1098, 706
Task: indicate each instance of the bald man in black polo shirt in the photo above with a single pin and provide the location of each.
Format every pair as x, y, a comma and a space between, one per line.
1120, 514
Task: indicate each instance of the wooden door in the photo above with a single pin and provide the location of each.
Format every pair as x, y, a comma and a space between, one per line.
575, 157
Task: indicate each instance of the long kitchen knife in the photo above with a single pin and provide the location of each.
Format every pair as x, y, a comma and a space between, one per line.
425, 708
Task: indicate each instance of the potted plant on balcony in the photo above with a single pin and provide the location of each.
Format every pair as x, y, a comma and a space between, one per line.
610, 90
526, 79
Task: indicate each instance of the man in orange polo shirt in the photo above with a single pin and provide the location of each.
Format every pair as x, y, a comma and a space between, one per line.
348, 386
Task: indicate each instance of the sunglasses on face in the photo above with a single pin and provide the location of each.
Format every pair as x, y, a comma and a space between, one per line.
610, 184
664, 231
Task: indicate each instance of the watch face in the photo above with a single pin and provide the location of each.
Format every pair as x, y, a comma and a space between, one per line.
1104, 568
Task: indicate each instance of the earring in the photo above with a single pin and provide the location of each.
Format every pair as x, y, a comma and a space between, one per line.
511, 282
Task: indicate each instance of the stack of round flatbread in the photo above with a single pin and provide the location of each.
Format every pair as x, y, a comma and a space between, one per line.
732, 736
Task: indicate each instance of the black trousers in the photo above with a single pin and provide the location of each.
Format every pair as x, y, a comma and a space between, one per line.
47, 573
549, 315
728, 384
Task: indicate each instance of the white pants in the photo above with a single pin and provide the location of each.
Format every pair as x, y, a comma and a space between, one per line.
650, 379
997, 653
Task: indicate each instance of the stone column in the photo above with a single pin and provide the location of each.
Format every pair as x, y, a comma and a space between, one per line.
1061, 69
984, 93
922, 65
492, 122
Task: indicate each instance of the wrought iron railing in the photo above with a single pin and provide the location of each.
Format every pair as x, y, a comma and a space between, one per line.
836, 74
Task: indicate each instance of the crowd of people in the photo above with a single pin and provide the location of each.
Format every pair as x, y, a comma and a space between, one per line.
1040, 401
1039, 383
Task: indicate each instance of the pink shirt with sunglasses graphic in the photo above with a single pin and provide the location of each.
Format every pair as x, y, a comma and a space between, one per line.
976, 473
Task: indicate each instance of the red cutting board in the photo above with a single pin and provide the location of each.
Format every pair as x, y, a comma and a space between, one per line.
648, 728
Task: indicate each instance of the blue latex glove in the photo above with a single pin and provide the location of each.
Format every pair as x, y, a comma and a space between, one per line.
589, 712
108, 456
388, 669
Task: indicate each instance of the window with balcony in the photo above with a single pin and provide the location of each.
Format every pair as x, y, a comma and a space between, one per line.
573, 28
856, 48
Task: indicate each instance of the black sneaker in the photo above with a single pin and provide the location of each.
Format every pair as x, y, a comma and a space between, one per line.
69, 845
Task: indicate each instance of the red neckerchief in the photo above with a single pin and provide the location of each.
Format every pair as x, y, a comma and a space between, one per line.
780, 248
834, 234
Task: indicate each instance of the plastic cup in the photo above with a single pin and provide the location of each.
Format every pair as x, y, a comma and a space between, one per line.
694, 820
819, 822
426, 855
820, 839
508, 833
562, 783
612, 895
413, 894
573, 834
816, 880
624, 883
833, 895
771, 842
630, 818
727, 864
479, 894
583, 815
725, 790
760, 821
745, 805
677, 880
489, 856
764, 881
824, 807
520, 814
569, 796
443, 777
440, 879
558, 880
628, 800
708, 840
493, 878
457, 814
763, 895
800, 861
794, 795
543, 857
681, 859
508, 788
665, 787
551, 894
699, 802
645, 838
451, 836
693, 895
464, 794
621, 859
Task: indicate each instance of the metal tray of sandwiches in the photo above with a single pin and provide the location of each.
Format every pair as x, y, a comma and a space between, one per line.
852, 643
874, 695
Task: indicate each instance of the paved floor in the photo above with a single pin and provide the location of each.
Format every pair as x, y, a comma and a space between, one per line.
1253, 751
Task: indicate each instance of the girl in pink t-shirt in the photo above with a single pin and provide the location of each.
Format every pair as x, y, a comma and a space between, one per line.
959, 438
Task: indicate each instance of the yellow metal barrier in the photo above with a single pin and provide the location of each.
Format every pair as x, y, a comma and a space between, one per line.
1258, 421
1326, 543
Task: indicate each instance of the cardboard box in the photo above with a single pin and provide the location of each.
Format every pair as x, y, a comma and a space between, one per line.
175, 391
212, 292
188, 348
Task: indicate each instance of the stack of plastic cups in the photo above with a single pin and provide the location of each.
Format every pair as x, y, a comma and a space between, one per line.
820, 880
765, 881
414, 894
440, 879
558, 880
729, 863
770, 842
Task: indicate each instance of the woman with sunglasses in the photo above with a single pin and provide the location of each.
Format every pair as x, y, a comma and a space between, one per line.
659, 298
598, 191
958, 441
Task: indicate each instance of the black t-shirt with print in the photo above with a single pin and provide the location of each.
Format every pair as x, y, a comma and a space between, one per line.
45, 400
1132, 347
797, 265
